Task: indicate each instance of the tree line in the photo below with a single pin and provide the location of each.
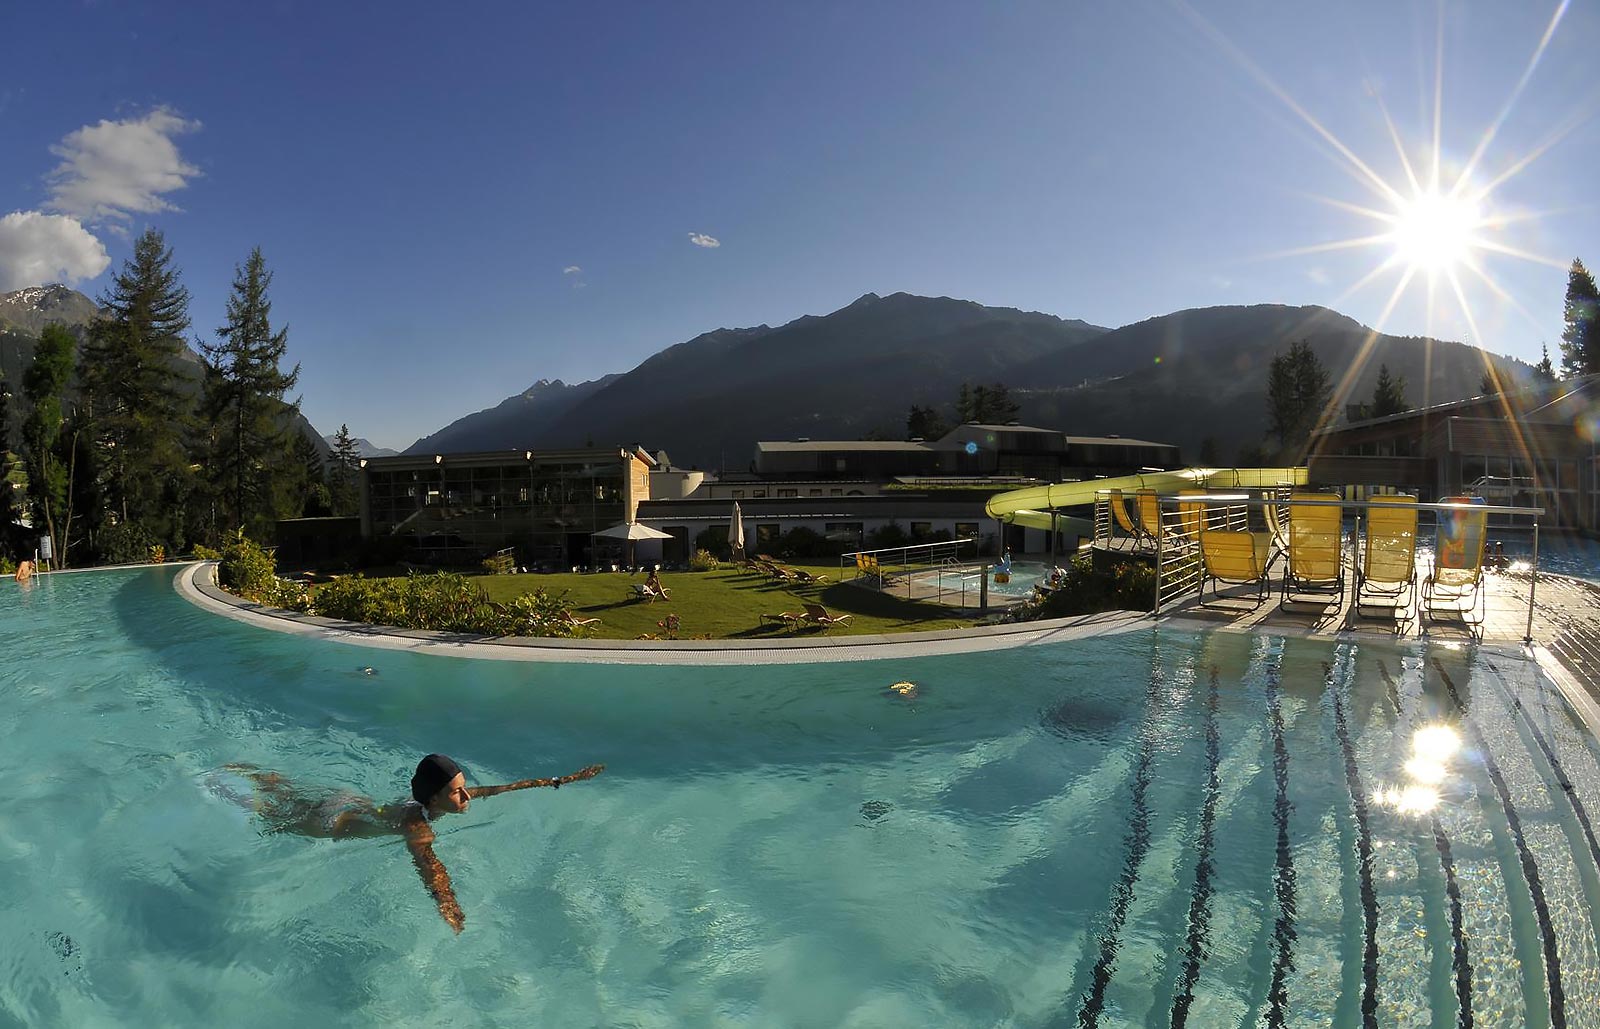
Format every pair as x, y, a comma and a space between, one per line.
1299, 387
119, 462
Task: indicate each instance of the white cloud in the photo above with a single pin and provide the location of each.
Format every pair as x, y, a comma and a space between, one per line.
571, 269
114, 168
700, 239
36, 248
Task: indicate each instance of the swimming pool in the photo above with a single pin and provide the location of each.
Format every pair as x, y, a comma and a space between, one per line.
1154, 828
1024, 575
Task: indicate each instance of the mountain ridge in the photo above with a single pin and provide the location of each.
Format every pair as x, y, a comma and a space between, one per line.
1181, 377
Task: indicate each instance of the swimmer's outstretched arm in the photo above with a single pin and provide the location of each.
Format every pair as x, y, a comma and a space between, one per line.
419, 840
527, 784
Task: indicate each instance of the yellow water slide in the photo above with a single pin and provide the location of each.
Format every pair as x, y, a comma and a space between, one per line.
1032, 507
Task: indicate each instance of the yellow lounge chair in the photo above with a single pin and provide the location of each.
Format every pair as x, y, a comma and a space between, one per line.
1388, 569
1316, 553
1235, 557
1119, 514
1191, 515
1457, 574
1144, 501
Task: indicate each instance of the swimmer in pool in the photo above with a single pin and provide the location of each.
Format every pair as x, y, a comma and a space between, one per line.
438, 788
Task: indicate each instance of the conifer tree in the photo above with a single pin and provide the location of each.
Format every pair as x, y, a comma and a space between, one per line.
8, 502
49, 476
1544, 370
243, 401
342, 471
1580, 338
1297, 392
137, 413
1389, 396
309, 495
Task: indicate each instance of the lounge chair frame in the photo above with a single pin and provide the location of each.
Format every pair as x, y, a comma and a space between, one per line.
1261, 580
1446, 598
1296, 584
1403, 592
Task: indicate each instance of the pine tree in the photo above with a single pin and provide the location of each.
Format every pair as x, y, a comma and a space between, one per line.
1297, 392
243, 401
925, 422
1580, 338
8, 502
1389, 396
1544, 370
342, 471
1002, 408
49, 476
964, 409
306, 493
137, 413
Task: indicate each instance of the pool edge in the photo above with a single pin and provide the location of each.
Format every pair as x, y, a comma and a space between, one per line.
194, 583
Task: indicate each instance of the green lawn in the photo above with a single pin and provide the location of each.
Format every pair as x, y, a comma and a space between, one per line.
726, 604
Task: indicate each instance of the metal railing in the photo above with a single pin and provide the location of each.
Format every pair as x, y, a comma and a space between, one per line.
1174, 543
918, 571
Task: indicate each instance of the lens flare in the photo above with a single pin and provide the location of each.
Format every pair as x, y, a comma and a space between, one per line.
1425, 771
1435, 743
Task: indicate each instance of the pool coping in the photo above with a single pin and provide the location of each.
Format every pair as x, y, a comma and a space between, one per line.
196, 583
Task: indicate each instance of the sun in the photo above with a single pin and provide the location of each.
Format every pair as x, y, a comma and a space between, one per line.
1434, 232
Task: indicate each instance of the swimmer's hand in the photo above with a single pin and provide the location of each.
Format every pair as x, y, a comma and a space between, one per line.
527, 784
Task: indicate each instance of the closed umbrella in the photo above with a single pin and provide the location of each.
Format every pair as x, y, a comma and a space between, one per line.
736, 533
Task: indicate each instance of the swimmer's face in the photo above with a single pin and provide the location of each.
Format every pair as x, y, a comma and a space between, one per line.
454, 796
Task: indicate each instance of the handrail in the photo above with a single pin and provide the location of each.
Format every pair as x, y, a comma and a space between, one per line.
1246, 500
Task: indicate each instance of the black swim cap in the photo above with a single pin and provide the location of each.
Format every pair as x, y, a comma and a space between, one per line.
434, 772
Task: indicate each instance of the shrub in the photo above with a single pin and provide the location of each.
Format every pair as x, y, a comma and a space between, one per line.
703, 561
500, 564
158, 554
1129, 586
206, 553
246, 568
442, 602
125, 543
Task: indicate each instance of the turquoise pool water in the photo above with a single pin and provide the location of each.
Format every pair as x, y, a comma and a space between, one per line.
1155, 828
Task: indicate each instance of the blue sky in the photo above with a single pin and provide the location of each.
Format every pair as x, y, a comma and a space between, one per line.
457, 201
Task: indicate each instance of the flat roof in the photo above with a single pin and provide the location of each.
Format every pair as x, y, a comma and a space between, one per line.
793, 446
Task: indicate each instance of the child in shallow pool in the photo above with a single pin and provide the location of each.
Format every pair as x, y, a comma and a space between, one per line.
438, 788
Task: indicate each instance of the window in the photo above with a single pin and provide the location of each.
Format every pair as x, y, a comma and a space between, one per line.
816, 493
757, 493
843, 530
836, 493
967, 530
921, 530
738, 494
768, 532
788, 493
839, 464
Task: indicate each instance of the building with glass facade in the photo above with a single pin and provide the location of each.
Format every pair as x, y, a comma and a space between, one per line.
456, 509
1534, 447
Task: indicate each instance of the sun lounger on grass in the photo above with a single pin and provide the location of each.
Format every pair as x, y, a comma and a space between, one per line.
816, 614
578, 623
648, 593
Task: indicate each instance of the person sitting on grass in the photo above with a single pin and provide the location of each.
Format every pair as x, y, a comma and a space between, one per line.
438, 788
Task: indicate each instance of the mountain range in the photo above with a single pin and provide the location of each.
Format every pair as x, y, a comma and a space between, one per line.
1179, 378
